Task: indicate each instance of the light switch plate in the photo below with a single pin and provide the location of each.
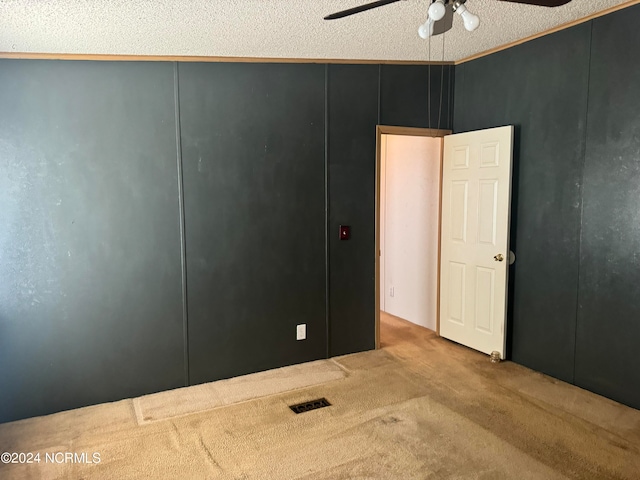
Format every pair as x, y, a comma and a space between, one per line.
301, 331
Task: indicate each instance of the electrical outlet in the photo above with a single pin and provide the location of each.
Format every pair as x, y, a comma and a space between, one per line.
392, 292
301, 331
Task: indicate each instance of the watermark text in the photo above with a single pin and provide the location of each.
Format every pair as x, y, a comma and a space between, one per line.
86, 458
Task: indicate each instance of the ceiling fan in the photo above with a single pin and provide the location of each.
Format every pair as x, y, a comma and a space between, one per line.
442, 10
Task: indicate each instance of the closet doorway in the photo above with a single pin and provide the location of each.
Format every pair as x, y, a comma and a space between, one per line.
409, 181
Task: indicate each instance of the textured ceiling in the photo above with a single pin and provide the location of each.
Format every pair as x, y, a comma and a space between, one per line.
268, 28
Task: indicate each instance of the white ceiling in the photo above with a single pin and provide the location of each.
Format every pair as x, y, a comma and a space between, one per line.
268, 28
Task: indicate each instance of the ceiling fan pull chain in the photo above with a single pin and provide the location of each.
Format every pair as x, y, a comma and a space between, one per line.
429, 84
441, 83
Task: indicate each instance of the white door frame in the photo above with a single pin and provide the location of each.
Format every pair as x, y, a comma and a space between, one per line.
415, 132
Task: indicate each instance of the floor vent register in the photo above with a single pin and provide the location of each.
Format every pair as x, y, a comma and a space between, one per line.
311, 405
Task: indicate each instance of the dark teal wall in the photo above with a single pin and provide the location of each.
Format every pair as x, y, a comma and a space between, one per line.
167, 224
352, 119
90, 275
573, 98
608, 326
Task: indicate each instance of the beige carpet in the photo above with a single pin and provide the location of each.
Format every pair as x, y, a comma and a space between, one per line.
185, 401
420, 408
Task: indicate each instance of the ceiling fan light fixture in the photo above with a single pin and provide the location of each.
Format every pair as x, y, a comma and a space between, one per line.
437, 10
471, 21
426, 29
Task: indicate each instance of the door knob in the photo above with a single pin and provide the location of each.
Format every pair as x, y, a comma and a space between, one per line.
498, 257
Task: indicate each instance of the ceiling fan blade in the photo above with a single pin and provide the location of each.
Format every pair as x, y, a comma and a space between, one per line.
361, 8
540, 3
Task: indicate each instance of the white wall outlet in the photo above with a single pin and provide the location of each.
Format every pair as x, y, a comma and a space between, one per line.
392, 292
301, 331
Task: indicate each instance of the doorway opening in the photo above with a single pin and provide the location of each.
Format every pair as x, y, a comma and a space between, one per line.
408, 224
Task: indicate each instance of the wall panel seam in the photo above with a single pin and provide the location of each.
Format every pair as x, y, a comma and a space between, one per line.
327, 213
581, 197
183, 256
379, 92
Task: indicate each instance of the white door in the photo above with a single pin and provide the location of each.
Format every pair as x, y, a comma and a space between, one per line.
476, 195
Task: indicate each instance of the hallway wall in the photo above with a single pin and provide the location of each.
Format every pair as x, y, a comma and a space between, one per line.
410, 179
